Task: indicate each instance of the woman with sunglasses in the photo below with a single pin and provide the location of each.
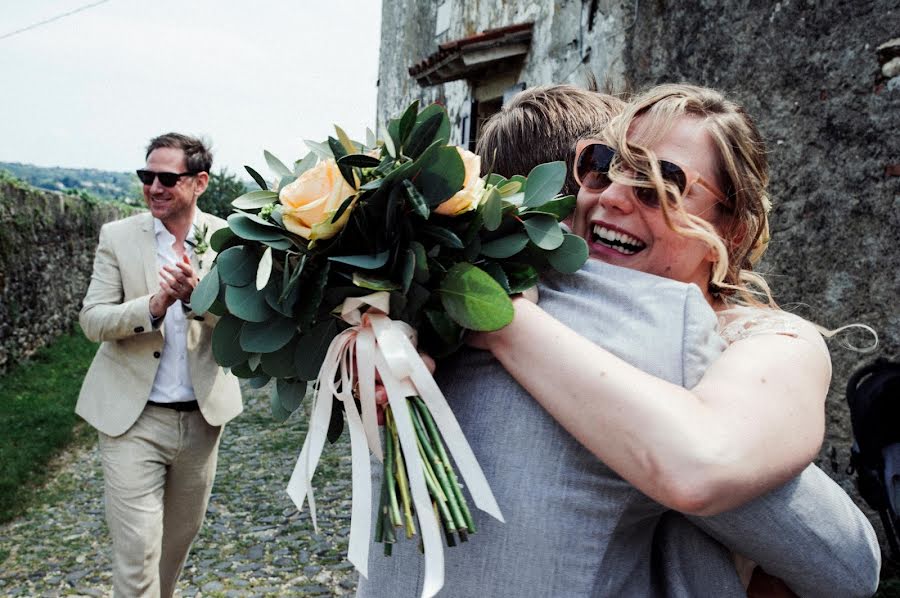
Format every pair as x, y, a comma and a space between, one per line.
676, 187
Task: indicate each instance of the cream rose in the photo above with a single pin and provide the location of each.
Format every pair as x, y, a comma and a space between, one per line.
311, 201
470, 195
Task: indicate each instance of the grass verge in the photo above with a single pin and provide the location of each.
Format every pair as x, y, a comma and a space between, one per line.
37, 417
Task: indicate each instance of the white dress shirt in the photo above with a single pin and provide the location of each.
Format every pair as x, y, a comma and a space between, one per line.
173, 377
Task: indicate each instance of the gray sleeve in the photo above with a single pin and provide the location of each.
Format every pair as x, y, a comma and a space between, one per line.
809, 533
701, 343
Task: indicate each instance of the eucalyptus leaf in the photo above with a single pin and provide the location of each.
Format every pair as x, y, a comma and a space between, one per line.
267, 336
495, 179
259, 382
389, 146
421, 275
237, 266
544, 182
279, 244
448, 330
370, 138
226, 345
336, 423
254, 359
497, 273
219, 239
247, 303
255, 200
290, 394
474, 300
256, 177
558, 208
280, 363
310, 299
442, 176
570, 256
509, 188
366, 262
308, 161
543, 230
492, 211
505, 247
409, 269
218, 308
348, 145
276, 165
206, 291
521, 276
264, 269
243, 370
247, 228
321, 150
279, 413
312, 347
374, 283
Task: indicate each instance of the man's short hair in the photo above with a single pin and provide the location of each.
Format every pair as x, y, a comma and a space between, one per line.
197, 156
543, 124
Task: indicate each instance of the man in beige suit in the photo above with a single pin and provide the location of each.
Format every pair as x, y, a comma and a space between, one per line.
154, 391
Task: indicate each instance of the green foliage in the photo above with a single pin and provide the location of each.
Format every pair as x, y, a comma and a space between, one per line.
102, 184
223, 188
37, 416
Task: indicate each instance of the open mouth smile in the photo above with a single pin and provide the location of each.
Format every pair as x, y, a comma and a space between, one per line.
621, 242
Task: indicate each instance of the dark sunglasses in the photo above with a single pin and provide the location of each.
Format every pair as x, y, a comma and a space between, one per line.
593, 160
166, 179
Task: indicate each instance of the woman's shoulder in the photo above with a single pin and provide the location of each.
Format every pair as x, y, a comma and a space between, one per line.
741, 322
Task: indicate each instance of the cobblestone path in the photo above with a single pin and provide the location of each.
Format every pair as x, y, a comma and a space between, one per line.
254, 542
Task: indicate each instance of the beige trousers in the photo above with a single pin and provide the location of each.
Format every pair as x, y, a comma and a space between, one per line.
158, 477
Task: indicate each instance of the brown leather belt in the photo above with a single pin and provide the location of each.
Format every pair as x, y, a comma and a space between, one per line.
178, 406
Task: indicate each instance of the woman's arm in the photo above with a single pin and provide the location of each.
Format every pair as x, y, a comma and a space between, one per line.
754, 421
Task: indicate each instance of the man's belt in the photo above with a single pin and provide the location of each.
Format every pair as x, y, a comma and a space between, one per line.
178, 405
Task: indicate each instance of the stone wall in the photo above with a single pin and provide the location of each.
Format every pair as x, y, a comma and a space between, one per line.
47, 243
821, 79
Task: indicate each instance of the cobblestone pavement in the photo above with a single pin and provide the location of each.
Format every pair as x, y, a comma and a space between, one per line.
254, 542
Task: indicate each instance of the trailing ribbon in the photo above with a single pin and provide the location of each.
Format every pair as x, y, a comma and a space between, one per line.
379, 344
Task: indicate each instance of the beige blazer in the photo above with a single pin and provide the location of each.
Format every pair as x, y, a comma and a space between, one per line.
116, 311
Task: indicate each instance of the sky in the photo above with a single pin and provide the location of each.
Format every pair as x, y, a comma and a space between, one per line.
89, 90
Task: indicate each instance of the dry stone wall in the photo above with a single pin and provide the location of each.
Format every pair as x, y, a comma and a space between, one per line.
47, 243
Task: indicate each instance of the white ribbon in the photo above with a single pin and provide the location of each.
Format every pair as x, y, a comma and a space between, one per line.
379, 344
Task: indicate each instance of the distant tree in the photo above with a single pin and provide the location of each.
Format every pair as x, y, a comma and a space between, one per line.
223, 188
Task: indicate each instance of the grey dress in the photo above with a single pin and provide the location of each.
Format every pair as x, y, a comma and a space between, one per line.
573, 526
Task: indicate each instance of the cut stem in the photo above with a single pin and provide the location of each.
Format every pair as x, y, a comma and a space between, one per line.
403, 484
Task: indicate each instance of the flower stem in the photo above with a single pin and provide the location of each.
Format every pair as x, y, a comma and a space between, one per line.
403, 484
394, 508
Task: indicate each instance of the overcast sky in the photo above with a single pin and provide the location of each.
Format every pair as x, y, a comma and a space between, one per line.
90, 89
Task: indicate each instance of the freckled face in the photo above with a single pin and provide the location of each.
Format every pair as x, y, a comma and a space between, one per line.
622, 231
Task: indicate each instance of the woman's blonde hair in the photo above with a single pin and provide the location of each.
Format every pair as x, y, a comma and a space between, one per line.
743, 234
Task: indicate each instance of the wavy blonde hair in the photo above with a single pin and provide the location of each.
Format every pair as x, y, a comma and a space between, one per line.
742, 173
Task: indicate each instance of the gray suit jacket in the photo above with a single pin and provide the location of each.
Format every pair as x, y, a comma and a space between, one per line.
573, 526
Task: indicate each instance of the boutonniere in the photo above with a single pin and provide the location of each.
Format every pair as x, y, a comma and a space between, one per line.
199, 243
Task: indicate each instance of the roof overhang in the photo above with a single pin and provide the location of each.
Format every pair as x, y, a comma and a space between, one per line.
469, 57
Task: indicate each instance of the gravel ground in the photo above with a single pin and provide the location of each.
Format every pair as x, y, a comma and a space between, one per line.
253, 543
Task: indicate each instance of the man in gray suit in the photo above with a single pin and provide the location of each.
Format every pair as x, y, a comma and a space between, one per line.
154, 391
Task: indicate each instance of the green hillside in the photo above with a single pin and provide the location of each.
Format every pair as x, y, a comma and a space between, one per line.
102, 184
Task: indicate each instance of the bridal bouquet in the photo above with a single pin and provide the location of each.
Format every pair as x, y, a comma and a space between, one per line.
334, 275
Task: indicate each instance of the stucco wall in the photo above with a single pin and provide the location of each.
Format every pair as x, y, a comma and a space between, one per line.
807, 70
47, 243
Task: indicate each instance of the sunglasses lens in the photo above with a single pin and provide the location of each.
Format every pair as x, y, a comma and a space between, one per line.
168, 179
671, 173
146, 176
593, 166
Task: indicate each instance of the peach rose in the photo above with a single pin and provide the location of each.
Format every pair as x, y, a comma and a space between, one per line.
311, 201
470, 195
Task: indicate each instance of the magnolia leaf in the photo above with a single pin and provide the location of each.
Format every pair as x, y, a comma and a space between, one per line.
349, 146
570, 256
290, 394
267, 336
322, 150
279, 413
544, 182
276, 165
424, 134
366, 262
237, 266
407, 122
280, 363
558, 208
416, 200
219, 239
497, 274
543, 230
521, 276
505, 247
256, 177
475, 300
359, 160
226, 345
337, 150
247, 303
255, 200
312, 347
492, 211
374, 283
206, 291
443, 236
308, 161
264, 269
442, 176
